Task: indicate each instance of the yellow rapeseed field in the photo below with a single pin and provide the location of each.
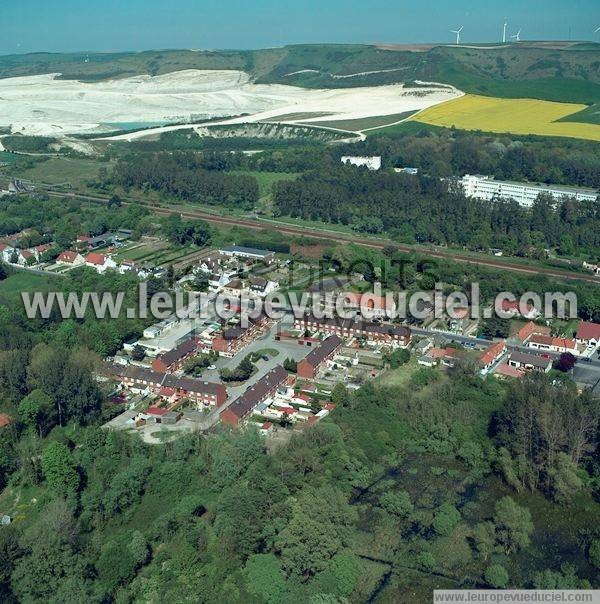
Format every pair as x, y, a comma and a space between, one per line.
517, 116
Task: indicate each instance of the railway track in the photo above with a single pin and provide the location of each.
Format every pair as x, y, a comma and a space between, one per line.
334, 236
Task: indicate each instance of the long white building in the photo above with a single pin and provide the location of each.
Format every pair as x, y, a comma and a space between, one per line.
524, 193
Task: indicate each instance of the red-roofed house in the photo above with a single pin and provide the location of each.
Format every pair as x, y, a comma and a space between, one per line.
318, 357
370, 304
168, 394
506, 371
71, 258
491, 355
99, 262
553, 344
156, 413
266, 428
513, 308
588, 334
529, 329
38, 250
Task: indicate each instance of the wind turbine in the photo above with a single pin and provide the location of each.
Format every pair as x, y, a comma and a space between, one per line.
504, 31
457, 32
517, 36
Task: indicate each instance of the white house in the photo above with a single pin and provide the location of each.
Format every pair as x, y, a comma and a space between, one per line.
588, 334
26, 257
70, 258
553, 344
262, 287
6, 252
99, 262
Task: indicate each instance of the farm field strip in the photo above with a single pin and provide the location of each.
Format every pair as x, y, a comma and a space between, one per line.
516, 116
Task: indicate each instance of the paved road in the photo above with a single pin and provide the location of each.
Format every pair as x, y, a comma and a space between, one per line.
286, 349
585, 372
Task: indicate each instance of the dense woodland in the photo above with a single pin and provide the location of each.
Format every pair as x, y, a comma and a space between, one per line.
443, 152
422, 209
182, 175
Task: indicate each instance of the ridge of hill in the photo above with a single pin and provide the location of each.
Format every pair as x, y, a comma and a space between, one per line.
556, 71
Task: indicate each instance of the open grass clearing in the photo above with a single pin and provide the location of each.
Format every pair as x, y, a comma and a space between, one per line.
58, 170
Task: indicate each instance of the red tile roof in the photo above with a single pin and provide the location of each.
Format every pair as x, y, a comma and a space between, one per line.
97, 259
508, 305
68, 256
461, 312
529, 329
288, 410
553, 341
492, 353
266, 426
509, 371
588, 331
159, 411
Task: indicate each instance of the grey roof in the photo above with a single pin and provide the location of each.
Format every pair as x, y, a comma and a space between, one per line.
534, 360
317, 355
167, 380
380, 328
237, 249
173, 356
243, 405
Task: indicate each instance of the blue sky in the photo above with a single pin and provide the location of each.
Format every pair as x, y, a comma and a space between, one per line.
113, 25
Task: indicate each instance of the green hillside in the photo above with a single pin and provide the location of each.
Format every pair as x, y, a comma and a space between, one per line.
562, 72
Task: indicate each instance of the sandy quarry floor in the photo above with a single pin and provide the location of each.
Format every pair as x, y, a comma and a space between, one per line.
45, 105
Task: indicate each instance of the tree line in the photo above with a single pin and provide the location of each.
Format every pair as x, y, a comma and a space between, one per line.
182, 175
426, 210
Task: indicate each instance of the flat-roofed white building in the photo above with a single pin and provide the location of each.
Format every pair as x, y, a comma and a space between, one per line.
373, 163
524, 193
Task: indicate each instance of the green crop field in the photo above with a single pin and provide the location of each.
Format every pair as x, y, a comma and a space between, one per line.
63, 169
591, 115
357, 125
